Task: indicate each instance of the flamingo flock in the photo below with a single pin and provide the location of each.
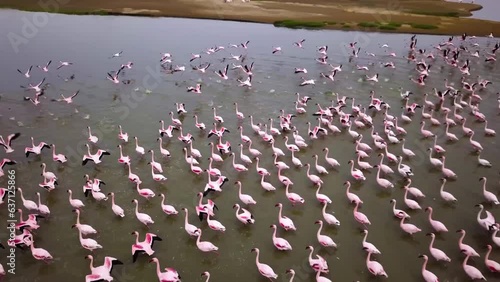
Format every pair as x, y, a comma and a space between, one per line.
441, 116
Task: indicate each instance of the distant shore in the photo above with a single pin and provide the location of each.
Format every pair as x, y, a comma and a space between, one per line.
401, 16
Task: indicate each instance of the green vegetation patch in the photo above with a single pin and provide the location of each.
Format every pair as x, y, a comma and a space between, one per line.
300, 24
387, 27
424, 26
368, 24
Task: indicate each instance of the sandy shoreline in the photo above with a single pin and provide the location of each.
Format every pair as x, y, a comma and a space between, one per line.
402, 16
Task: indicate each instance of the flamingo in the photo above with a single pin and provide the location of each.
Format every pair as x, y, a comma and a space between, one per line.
145, 192
285, 221
28, 204
238, 167
280, 243
374, 267
190, 229
38, 253
145, 246
329, 218
489, 196
244, 198
8, 144
142, 217
437, 253
37, 150
283, 179
488, 222
385, 168
434, 161
162, 131
164, 152
294, 198
189, 159
122, 135
253, 151
331, 161
139, 149
96, 158
87, 243
133, 177
412, 204
156, 165
92, 138
75, 203
280, 164
245, 216
447, 196
216, 157
43, 209
397, 212
296, 161
167, 209
464, 248
492, 265
103, 271
353, 198
207, 274
356, 173
428, 276
475, 145
264, 269
312, 177
318, 264
117, 210
369, 247
244, 138
214, 224
324, 240
384, 183
170, 274
205, 246
84, 228
322, 198
448, 173
57, 157
438, 226
156, 176
123, 159
260, 170
360, 217
471, 271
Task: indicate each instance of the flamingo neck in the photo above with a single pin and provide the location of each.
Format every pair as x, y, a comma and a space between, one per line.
432, 242
486, 257
158, 269
425, 263
319, 229
461, 238
91, 262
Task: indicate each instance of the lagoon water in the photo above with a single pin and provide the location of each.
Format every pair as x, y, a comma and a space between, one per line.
88, 41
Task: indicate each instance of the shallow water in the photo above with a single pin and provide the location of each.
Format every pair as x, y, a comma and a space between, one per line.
88, 41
